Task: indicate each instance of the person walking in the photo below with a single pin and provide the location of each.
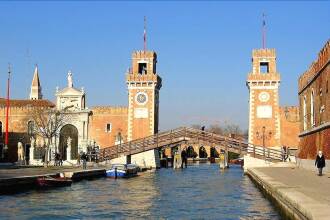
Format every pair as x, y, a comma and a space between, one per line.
184, 158
320, 162
84, 159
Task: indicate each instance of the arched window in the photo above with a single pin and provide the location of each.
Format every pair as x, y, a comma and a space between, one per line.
305, 113
30, 128
0, 128
312, 109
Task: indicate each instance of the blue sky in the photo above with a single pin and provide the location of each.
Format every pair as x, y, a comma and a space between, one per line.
204, 50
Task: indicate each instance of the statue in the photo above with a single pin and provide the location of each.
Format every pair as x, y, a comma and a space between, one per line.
33, 143
70, 81
20, 152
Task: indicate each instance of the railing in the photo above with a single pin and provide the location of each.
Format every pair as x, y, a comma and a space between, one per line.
184, 134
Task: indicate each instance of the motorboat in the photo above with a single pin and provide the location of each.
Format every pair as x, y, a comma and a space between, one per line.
122, 171
47, 181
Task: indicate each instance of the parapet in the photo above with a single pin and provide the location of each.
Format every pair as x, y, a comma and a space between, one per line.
315, 68
115, 110
263, 53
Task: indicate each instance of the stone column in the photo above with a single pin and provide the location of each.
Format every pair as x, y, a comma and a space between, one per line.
32, 141
68, 149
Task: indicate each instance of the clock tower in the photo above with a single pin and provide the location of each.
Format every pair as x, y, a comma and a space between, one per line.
143, 85
263, 84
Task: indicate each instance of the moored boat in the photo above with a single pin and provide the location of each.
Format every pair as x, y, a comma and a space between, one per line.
122, 171
45, 182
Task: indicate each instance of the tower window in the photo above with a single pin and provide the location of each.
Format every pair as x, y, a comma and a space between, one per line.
0, 128
142, 68
108, 127
264, 67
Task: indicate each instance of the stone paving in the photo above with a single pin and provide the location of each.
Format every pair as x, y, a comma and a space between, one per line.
302, 190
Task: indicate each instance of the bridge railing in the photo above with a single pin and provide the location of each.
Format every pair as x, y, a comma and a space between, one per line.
184, 134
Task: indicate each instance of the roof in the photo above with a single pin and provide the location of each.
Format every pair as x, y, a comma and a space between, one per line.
70, 91
36, 81
27, 103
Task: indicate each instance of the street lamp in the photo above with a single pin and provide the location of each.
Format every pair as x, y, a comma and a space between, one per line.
263, 135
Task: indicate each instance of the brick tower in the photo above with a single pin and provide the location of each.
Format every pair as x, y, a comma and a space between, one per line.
143, 95
263, 84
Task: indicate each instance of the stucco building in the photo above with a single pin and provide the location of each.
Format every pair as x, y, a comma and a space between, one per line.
314, 107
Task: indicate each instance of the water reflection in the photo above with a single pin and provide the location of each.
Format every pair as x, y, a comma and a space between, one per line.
199, 192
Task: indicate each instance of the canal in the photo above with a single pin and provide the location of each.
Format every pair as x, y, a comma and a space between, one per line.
198, 192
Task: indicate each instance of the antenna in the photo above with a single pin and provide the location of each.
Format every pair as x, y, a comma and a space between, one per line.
263, 31
145, 34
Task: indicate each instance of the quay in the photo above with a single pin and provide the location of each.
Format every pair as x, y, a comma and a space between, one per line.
298, 193
14, 180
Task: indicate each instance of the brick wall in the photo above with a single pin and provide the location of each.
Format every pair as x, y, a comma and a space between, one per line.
289, 126
100, 117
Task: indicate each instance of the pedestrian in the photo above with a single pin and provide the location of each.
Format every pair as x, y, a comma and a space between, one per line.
283, 151
184, 158
320, 162
84, 159
56, 159
60, 158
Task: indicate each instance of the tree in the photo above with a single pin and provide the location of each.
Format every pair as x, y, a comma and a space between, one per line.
47, 124
216, 129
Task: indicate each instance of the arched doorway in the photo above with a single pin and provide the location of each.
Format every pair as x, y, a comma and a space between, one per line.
191, 153
202, 152
214, 152
66, 132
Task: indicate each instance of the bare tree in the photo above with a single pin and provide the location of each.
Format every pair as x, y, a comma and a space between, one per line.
216, 129
47, 123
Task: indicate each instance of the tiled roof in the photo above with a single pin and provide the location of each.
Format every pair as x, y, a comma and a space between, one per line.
27, 103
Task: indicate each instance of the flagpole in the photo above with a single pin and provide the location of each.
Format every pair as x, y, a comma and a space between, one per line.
263, 31
145, 35
7, 110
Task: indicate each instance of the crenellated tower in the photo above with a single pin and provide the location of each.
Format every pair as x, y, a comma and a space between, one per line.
143, 85
263, 84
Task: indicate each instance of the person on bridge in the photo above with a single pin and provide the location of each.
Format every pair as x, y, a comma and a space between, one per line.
184, 158
320, 162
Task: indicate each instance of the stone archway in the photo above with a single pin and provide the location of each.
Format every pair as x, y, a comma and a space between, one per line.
66, 132
202, 152
213, 152
191, 152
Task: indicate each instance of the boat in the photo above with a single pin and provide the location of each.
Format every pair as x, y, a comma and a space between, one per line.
122, 171
47, 181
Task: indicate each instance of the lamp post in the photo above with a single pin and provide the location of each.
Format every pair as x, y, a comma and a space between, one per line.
263, 135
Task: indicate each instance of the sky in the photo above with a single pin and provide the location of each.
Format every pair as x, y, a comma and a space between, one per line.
204, 51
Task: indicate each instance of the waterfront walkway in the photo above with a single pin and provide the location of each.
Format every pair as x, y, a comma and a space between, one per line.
300, 193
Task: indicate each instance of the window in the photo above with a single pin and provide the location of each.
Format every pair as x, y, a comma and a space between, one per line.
264, 67
108, 127
142, 68
30, 128
0, 128
312, 109
304, 113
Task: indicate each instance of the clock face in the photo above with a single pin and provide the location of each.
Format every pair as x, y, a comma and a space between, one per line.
264, 96
141, 98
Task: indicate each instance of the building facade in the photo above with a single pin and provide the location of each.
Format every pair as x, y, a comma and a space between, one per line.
268, 122
314, 107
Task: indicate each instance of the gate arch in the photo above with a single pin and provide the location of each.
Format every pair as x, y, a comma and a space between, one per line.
202, 152
66, 132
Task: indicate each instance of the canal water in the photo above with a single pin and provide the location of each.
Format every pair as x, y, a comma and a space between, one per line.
198, 192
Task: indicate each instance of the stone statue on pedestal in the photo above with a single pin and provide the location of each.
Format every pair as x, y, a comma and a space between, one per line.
70, 81
20, 152
33, 142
